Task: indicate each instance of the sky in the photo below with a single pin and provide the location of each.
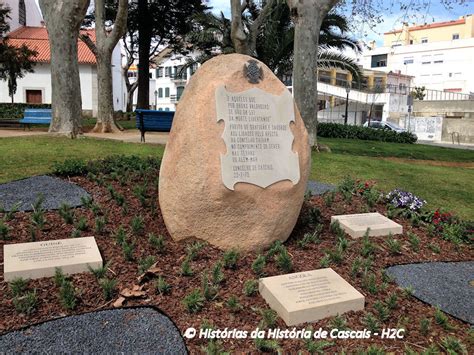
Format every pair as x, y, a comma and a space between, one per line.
435, 12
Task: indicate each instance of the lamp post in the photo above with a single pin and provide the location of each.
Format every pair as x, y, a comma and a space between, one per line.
156, 94
348, 90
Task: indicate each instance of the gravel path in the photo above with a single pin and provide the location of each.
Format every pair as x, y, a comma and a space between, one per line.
319, 188
133, 330
55, 191
446, 285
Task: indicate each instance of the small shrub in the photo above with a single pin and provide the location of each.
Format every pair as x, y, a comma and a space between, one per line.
100, 223
108, 287
231, 257
145, 263
425, 325
87, 201
157, 243
392, 301
394, 246
59, 277
408, 291
100, 272
266, 345
250, 287
284, 261
217, 274
194, 301
18, 286
37, 216
67, 295
233, 304
309, 238
76, 233
325, 261
335, 255
338, 322
120, 236
453, 345
161, 286
193, 249
369, 282
186, 269
140, 192
259, 265
209, 289
317, 347
275, 249
127, 249
356, 266
314, 216
368, 248
435, 248
81, 224
329, 198
26, 303
414, 241
10, 214
214, 347
137, 225
269, 318
442, 319
70, 167
371, 322
4, 230
65, 211
383, 312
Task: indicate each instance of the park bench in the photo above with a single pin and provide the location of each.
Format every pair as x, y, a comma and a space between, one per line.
36, 116
153, 121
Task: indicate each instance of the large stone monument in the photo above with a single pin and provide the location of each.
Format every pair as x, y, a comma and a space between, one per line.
235, 168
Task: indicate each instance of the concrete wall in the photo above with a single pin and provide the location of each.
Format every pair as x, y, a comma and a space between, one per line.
462, 127
448, 108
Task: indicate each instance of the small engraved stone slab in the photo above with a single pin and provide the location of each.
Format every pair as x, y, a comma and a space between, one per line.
310, 295
258, 137
356, 224
40, 259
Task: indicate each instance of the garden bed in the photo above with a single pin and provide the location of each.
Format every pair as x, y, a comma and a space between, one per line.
124, 216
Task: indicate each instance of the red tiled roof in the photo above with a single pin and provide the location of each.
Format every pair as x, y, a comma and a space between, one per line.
36, 38
431, 25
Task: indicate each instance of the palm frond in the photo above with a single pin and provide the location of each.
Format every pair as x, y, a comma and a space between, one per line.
329, 60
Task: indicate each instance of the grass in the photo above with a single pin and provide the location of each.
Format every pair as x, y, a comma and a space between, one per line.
21, 157
446, 186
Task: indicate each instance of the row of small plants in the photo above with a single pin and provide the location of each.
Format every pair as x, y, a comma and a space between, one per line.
338, 130
16, 110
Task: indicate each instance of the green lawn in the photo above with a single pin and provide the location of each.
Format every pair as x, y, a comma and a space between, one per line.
441, 186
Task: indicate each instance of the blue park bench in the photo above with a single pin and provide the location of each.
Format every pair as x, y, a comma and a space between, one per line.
153, 121
36, 116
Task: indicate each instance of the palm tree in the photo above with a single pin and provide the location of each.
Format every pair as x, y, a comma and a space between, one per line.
211, 36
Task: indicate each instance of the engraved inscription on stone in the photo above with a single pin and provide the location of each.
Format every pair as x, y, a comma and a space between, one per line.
310, 295
39, 259
258, 137
356, 225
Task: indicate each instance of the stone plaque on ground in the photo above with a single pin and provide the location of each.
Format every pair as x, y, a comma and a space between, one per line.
310, 295
257, 136
236, 165
356, 224
40, 259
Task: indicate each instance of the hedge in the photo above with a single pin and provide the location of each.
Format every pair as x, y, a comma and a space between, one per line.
15, 110
337, 130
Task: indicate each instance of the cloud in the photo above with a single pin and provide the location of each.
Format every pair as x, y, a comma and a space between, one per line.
220, 5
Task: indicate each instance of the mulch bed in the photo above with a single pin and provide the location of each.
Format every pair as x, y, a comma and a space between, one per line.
407, 315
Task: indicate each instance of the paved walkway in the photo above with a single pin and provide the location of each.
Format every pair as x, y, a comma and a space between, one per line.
131, 135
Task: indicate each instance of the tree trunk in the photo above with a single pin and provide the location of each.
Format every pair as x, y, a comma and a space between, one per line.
105, 114
144, 43
239, 37
307, 16
63, 20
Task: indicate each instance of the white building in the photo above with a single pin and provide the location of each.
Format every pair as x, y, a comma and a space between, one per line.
169, 75
440, 56
23, 13
36, 87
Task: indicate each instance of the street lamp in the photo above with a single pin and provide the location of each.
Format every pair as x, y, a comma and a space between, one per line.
156, 94
348, 90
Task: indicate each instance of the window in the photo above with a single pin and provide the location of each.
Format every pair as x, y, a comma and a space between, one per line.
179, 92
426, 62
408, 60
379, 60
132, 74
455, 36
167, 71
159, 72
22, 12
411, 41
34, 96
424, 40
438, 61
160, 92
167, 108
167, 92
150, 75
